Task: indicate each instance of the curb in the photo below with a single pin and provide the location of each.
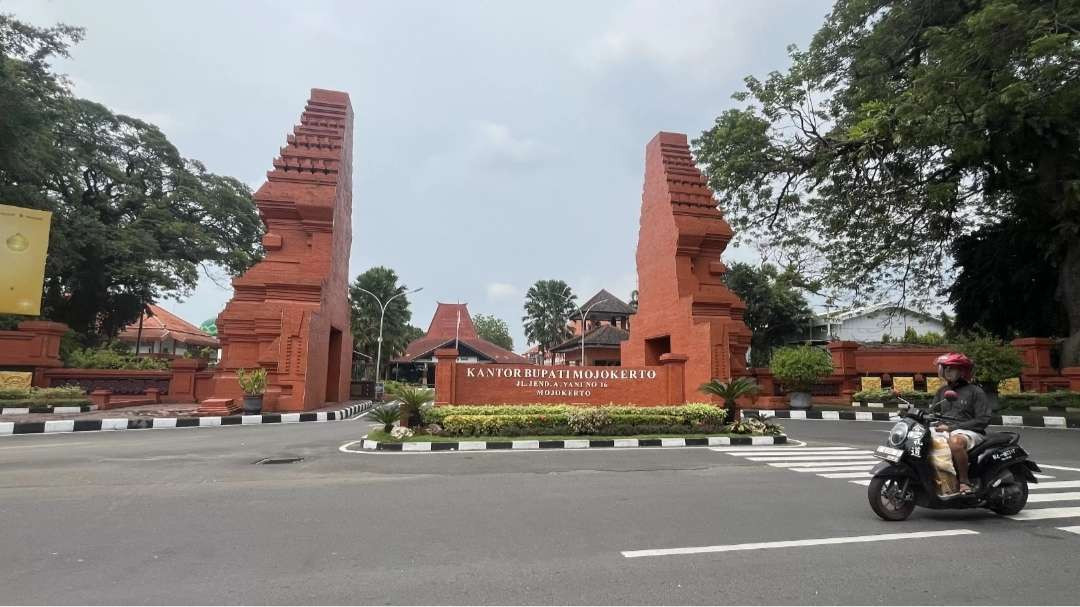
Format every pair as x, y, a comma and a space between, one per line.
47, 409
1031, 421
518, 445
123, 423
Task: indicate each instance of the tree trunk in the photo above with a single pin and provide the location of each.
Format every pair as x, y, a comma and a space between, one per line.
1069, 293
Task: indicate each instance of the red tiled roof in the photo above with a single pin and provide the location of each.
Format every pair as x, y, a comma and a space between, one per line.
441, 334
162, 324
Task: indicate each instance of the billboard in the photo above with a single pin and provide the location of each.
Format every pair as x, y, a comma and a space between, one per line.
24, 242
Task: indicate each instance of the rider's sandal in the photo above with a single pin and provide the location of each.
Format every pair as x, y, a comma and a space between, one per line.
965, 490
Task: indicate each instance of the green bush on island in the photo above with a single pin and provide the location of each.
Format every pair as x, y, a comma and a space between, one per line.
569, 420
113, 358
887, 397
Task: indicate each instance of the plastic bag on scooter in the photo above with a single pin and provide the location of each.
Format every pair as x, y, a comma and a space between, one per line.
941, 459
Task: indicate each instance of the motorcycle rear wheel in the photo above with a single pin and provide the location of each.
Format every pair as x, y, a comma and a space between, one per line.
882, 493
1016, 503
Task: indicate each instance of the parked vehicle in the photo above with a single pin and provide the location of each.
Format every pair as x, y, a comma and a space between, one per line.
999, 470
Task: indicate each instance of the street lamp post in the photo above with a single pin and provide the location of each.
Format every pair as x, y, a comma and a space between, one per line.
382, 316
584, 315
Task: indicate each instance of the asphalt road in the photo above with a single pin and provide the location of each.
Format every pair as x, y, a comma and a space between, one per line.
186, 516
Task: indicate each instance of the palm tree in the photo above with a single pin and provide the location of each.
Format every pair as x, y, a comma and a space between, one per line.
397, 332
737, 387
548, 307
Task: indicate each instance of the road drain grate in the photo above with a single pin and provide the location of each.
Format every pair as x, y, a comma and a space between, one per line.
280, 460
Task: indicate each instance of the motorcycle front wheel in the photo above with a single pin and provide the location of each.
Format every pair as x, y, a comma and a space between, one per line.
887, 500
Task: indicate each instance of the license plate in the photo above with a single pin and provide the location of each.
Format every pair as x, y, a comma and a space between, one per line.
888, 453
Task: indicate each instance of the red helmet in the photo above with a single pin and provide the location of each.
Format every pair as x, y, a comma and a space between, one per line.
955, 359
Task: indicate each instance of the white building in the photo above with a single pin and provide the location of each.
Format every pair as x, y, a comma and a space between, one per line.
870, 323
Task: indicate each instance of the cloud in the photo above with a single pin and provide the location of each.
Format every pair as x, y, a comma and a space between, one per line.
502, 291
495, 145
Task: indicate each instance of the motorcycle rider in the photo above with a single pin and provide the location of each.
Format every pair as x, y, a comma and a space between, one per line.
964, 419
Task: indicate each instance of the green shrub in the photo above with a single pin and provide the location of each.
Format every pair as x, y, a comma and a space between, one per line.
887, 397
387, 415
253, 382
14, 393
703, 414
736, 388
994, 360
637, 419
753, 425
798, 368
110, 358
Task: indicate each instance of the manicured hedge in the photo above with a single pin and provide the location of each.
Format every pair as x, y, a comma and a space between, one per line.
517, 420
1025, 400
887, 397
44, 405
66, 396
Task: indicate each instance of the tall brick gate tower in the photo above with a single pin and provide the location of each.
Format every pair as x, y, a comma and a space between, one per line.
290, 312
684, 307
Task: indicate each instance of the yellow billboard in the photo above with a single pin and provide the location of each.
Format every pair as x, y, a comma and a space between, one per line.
24, 242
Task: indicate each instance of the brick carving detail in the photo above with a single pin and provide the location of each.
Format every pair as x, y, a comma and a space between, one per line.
684, 306
289, 313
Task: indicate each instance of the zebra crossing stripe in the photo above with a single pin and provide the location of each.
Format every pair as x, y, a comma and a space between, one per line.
835, 468
808, 458
815, 464
1056, 485
1039, 514
1073, 529
863, 474
1065, 496
863, 483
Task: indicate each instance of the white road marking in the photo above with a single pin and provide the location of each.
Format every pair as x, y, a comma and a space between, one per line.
834, 468
737, 450
48, 446
796, 452
1043, 513
1054, 497
858, 539
809, 458
1073, 529
816, 464
1055, 485
863, 483
1044, 476
846, 475
1058, 468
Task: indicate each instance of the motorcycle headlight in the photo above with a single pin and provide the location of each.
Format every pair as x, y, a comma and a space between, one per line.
898, 434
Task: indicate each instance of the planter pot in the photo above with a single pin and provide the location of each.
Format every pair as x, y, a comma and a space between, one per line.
799, 400
253, 405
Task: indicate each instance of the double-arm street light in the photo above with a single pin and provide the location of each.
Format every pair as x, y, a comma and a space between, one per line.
382, 315
584, 315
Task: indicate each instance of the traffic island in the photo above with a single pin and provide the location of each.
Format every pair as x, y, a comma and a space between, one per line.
430, 444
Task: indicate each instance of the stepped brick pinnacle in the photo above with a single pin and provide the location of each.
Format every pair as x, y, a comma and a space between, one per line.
289, 313
684, 306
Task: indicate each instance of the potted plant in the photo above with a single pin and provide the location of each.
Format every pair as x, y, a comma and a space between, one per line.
797, 369
736, 388
994, 362
253, 383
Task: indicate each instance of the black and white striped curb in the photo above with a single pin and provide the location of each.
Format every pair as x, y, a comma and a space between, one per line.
709, 441
94, 425
1034, 421
47, 409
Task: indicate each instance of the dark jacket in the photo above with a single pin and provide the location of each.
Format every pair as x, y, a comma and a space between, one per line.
971, 411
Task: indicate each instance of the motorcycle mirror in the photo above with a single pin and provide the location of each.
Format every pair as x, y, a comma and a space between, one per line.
951, 395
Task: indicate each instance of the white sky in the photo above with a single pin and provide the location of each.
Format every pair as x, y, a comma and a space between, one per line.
496, 144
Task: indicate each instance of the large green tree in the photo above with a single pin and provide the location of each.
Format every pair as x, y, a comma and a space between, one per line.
133, 221
494, 330
548, 306
776, 310
366, 312
905, 126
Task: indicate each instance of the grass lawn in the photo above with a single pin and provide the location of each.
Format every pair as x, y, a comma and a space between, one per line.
383, 437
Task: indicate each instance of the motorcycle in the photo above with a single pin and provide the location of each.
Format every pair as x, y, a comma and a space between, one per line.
999, 470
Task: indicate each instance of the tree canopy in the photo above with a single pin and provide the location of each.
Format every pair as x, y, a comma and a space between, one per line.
906, 125
548, 306
776, 310
494, 330
366, 312
133, 220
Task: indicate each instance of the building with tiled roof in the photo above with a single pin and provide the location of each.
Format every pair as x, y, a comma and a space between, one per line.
450, 327
166, 333
605, 321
